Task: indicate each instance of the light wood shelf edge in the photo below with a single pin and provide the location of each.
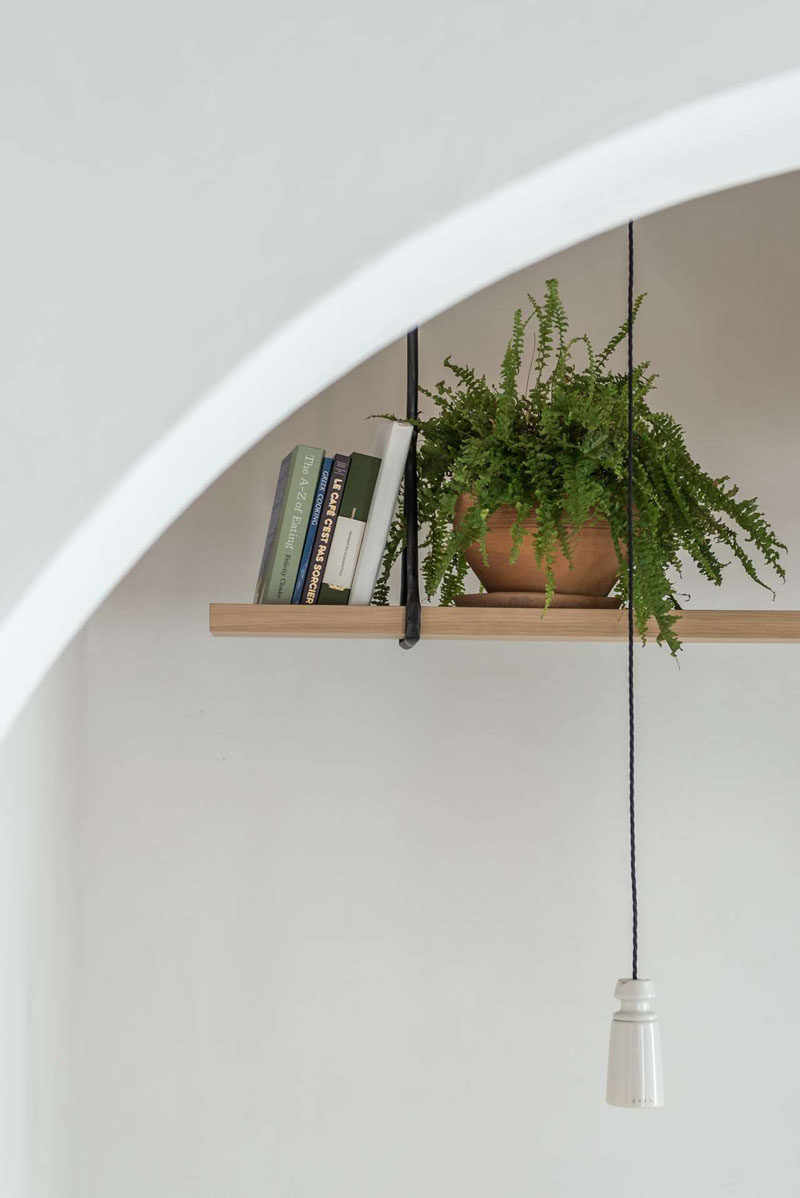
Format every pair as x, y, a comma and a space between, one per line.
492, 624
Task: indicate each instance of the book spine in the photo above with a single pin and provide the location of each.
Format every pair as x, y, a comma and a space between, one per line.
313, 525
327, 525
392, 444
272, 528
346, 540
293, 524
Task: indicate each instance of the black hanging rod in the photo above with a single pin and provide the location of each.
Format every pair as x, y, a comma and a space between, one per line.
409, 585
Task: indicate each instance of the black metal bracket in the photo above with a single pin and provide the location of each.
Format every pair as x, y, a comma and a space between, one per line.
409, 584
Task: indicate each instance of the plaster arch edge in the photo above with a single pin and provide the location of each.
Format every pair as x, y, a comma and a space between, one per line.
733, 137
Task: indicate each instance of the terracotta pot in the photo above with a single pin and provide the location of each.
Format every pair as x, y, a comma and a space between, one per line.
594, 571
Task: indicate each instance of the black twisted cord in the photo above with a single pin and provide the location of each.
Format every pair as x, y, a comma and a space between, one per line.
631, 777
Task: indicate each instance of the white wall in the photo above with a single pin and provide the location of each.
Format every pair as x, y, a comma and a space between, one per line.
42, 773
352, 917
186, 183
182, 179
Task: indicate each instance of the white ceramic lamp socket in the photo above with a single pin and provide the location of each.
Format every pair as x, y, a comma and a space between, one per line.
634, 1052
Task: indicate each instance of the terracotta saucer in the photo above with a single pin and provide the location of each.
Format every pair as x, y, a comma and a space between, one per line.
535, 599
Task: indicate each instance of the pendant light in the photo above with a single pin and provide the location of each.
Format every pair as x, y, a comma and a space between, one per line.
634, 1052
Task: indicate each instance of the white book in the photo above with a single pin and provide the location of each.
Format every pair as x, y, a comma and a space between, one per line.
391, 446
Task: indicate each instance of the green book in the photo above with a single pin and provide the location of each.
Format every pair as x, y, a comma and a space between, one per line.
348, 534
291, 512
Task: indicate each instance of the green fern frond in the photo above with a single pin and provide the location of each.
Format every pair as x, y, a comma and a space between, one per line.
557, 449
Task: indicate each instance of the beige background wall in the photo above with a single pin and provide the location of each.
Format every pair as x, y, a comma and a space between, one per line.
352, 917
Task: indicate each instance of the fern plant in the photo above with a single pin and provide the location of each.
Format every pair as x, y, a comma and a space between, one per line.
554, 443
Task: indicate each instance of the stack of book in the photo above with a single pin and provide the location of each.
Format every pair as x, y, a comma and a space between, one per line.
330, 520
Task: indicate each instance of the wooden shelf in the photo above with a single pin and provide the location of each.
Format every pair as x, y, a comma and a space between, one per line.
492, 624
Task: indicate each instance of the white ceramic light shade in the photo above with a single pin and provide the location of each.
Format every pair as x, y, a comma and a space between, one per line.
634, 1052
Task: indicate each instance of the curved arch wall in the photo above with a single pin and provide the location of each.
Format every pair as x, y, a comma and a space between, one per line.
187, 185
176, 195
